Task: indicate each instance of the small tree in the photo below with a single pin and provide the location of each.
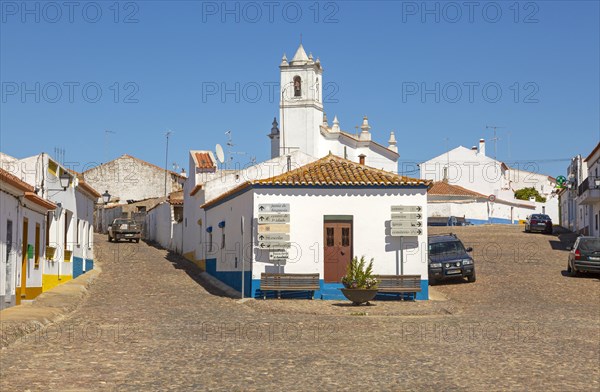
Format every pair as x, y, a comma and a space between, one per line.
526, 193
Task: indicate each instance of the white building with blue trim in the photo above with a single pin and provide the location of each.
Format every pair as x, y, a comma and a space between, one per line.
338, 209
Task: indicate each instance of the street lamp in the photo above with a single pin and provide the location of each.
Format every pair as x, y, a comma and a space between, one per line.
106, 197
65, 180
597, 182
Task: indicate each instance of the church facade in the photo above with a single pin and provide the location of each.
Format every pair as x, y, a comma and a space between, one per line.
303, 124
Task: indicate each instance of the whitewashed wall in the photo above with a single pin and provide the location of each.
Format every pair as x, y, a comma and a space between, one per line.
215, 185
161, 227
371, 211
8, 268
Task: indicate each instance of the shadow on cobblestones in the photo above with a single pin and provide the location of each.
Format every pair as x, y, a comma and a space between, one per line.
192, 270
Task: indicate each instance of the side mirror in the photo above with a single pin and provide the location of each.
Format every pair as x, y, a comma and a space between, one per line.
469, 249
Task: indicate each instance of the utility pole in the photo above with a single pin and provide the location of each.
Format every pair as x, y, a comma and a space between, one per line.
167, 160
495, 139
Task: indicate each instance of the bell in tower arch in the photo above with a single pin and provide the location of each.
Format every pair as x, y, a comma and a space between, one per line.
297, 86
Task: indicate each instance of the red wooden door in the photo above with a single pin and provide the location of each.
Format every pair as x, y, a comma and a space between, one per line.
337, 250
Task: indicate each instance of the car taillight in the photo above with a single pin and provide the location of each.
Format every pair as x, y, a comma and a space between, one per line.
533, 222
577, 254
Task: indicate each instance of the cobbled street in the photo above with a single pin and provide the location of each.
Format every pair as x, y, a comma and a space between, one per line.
151, 323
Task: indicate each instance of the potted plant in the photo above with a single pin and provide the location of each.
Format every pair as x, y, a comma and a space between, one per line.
360, 285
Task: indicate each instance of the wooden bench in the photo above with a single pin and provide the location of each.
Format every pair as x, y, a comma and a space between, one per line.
288, 282
399, 284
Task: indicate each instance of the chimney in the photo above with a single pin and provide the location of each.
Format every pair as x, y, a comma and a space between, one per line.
361, 159
474, 149
482, 147
183, 173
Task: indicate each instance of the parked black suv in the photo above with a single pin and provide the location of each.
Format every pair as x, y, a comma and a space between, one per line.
448, 259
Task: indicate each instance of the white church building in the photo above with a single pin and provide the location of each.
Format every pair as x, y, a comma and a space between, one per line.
303, 124
335, 183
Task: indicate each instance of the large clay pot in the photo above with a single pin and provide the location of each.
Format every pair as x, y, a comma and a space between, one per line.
359, 296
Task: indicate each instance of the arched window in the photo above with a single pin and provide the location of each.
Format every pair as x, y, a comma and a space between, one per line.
297, 86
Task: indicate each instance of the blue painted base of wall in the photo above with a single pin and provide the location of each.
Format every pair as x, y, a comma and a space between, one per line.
494, 221
327, 291
78, 266
331, 291
232, 279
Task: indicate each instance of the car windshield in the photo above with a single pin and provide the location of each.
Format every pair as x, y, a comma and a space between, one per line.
540, 217
122, 222
590, 244
446, 248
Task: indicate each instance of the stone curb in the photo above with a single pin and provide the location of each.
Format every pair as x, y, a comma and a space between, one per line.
48, 307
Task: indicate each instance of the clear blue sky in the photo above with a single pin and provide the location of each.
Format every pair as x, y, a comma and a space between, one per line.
174, 53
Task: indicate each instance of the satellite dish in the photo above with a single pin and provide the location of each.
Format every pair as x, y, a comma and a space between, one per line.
220, 154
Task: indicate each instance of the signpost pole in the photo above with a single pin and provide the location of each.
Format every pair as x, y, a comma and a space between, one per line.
401, 256
243, 261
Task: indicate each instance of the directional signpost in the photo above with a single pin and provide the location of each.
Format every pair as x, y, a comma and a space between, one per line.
275, 207
279, 256
406, 221
273, 231
277, 237
273, 218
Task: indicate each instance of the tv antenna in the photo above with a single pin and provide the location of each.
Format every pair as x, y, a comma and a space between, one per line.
495, 138
230, 152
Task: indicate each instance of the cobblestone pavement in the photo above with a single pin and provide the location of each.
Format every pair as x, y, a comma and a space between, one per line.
149, 323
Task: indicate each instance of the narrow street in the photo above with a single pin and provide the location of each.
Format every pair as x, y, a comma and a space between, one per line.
149, 323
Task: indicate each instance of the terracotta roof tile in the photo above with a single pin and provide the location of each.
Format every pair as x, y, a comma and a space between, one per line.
176, 198
329, 171
336, 171
9, 178
445, 189
203, 160
127, 156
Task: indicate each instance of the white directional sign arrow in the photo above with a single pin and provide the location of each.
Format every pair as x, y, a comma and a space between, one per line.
276, 237
405, 232
275, 207
273, 218
407, 208
407, 216
273, 245
278, 255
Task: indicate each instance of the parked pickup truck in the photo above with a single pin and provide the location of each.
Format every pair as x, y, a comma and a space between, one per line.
124, 229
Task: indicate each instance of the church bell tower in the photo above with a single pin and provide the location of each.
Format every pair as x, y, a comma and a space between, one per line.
301, 103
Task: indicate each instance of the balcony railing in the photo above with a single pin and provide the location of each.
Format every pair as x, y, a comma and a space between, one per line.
588, 183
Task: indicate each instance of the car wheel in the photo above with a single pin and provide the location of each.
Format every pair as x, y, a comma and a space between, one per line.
432, 281
472, 278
